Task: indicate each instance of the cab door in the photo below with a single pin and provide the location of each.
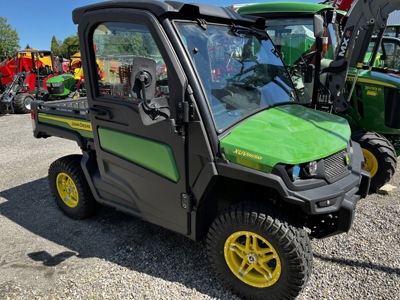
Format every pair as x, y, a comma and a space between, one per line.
140, 157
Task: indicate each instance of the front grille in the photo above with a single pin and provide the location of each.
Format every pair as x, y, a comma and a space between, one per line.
56, 90
335, 164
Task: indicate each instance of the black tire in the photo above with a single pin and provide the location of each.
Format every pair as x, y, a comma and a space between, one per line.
70, 188
289, 250
22, 103
379, 155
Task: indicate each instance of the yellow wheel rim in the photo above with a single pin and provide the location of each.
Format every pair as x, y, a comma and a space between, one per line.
252, 259
371, 163
67, 190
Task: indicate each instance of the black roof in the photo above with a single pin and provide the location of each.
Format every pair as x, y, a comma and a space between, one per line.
163, 9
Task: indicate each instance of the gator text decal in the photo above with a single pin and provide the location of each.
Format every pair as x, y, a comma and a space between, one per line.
247, 154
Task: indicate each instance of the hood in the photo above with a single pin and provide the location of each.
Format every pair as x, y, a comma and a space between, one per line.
60, 78
289, 134
374, 77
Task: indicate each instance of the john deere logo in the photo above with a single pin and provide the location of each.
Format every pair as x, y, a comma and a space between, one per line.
80, 125
247, 154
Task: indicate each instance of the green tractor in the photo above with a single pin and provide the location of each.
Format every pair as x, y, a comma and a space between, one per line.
62, 86
69, 84
372, 93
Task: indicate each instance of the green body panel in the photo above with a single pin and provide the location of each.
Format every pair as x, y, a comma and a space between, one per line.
60, 78
83, 127
69, 83
290, 134
153, 155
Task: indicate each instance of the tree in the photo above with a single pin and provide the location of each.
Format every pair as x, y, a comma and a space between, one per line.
9, 39
68, 41
55, 46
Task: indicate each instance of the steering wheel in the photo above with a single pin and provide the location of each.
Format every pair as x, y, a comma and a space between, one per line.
254, 77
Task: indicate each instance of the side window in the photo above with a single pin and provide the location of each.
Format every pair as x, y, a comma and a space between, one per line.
126, 58
392, 55
379, 62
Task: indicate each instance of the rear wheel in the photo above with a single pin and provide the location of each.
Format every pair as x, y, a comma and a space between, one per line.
379, 155
70, 188
22, 103
258, 255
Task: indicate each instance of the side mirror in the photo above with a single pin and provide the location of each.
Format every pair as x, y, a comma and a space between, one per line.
143, 78
143, 81
318, 26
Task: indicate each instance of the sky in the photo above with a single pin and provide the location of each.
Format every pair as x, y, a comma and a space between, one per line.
36, 24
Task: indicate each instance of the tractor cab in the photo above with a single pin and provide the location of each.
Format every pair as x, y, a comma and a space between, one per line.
388, 55
38, 66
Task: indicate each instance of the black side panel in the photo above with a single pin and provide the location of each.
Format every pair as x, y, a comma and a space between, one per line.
392, 108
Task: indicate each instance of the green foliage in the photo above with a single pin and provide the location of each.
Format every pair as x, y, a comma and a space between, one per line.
55, 47
9, 39
138, 44
60, 48
69, 41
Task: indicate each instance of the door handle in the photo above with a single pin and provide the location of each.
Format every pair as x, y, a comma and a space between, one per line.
100, 112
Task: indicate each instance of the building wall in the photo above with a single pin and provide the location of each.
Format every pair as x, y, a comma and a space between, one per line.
394, 18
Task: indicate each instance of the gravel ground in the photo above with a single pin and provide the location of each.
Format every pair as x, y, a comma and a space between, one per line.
45, 255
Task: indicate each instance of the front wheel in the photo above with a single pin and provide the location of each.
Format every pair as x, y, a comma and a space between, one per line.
379, 155
259, 256
70, 188
22, 103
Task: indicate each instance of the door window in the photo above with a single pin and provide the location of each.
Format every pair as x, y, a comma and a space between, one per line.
127, 57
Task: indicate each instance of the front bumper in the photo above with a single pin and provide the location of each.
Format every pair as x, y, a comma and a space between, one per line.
326, 208
331, 208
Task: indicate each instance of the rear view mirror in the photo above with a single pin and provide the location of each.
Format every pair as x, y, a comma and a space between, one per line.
318, 26
143, 81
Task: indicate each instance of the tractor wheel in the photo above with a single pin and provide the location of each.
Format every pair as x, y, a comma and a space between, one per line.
258, 255
22, 103
379, 155
70, 188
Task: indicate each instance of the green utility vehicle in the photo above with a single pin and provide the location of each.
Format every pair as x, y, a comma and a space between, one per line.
203, 134
373, 107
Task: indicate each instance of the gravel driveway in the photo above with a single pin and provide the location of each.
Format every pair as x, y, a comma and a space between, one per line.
45, 255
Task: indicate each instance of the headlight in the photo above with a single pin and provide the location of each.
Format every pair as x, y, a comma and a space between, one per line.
303, 171
310, 169
57, 84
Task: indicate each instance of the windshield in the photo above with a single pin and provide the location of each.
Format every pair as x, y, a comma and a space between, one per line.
388, 56
294, 38
239, 68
